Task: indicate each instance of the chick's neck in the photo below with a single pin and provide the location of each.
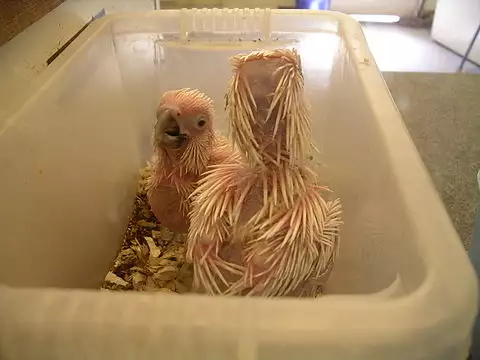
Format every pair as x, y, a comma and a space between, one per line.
187, 162
276, 165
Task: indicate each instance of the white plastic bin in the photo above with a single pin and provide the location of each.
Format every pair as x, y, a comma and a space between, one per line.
403, 287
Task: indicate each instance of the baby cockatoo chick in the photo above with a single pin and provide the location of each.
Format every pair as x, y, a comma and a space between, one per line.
184, 144
260, 225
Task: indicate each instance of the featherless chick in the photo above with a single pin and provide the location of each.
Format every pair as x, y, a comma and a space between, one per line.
260, 224
185, 144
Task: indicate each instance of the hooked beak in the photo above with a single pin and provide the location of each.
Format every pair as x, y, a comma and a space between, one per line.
174, 142
167, 130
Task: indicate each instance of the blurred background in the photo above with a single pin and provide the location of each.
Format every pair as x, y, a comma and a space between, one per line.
404, 35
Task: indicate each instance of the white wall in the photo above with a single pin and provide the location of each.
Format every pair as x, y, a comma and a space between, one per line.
390, 7
454, 25
395, 7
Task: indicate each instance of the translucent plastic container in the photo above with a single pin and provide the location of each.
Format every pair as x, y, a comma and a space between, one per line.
403, 287
474, 252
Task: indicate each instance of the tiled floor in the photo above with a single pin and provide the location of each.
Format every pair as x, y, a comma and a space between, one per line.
441, 113
397, 48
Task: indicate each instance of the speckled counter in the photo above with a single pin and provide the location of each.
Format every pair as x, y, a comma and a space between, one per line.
442, 113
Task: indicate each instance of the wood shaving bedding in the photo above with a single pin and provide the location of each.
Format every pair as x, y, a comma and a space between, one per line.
151, 258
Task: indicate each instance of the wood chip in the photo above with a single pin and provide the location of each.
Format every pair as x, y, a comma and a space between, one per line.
165, 274
154, 250
111, 277
163, 234
138, 280
146, 224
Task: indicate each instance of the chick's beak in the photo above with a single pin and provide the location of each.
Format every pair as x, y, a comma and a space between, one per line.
167, 129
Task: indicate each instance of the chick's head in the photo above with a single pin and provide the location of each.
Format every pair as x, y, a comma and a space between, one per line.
183, 116
266, 106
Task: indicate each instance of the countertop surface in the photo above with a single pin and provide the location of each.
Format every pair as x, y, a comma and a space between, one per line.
442, 113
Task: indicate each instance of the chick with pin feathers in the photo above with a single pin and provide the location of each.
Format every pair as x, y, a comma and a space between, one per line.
185, 144
260, 224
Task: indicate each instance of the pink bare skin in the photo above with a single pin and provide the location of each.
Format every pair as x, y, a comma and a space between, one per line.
260, 225
185, 145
